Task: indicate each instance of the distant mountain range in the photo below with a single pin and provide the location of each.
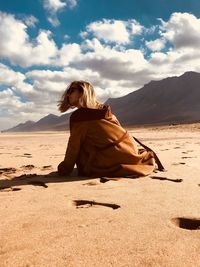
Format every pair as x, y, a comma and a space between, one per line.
171, 100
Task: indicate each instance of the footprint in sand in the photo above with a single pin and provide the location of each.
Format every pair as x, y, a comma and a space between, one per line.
178, 163
187, 157
166, 179
27, 167
7, 170
47, 167
26, 155
90, 203
8, 189
187, 223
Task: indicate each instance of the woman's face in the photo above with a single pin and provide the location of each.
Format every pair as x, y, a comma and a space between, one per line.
73, 96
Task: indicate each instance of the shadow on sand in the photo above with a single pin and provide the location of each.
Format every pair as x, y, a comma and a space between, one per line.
40, 179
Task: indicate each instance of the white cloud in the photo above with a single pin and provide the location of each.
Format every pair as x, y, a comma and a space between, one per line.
68, 53
54, 6
109, 62
136, 28
16, 80
14, 110
156, 45
30, 21
175, 62
182, 30
40, 51
10, 77
113, 31
109, 31
182, 33
24, 52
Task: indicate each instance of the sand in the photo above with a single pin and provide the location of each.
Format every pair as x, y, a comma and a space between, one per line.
47, 220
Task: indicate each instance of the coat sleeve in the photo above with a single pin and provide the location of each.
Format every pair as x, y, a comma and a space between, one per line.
77, 135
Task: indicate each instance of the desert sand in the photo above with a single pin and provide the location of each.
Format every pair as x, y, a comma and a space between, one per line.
75, 221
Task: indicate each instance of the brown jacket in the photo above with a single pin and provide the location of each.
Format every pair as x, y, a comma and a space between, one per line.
99, 146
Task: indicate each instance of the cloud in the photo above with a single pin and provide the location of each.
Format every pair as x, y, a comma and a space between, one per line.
181, 36
68, 53
10, 77
109, 31
136, 28
54, 6
109, 62
182, 30
13, 109
113, 31
156, 45
14, 79
30, 21
24, 52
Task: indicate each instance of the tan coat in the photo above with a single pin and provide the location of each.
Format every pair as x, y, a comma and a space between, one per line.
99, 146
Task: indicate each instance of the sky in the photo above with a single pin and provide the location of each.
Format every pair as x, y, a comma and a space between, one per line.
117, 45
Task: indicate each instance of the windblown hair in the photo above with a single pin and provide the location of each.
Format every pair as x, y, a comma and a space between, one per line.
87, 100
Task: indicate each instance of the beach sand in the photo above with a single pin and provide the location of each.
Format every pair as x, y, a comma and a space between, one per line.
48, 220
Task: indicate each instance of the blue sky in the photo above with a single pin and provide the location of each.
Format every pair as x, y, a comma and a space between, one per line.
117, 45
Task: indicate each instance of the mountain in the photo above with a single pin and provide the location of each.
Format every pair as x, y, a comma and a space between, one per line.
50, 122
21, 127
171, 100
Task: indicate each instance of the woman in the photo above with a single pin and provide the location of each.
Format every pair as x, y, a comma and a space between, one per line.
98, 144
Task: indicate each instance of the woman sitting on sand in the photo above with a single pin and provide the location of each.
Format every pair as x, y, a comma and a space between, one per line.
98, 144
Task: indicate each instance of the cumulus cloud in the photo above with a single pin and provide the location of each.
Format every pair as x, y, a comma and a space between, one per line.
182, 34
26, 52
113, 31
156, 45
109, 31
109, 62
54, 6
68, 53
182, 30
13, 109
136, 27
16, 45
16, 80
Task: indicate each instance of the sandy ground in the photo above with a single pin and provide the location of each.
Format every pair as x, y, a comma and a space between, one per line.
49, 221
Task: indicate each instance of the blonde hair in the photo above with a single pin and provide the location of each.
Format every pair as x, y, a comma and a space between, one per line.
87, 100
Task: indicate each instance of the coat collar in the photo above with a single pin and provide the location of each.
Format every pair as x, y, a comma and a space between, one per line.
87, 114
